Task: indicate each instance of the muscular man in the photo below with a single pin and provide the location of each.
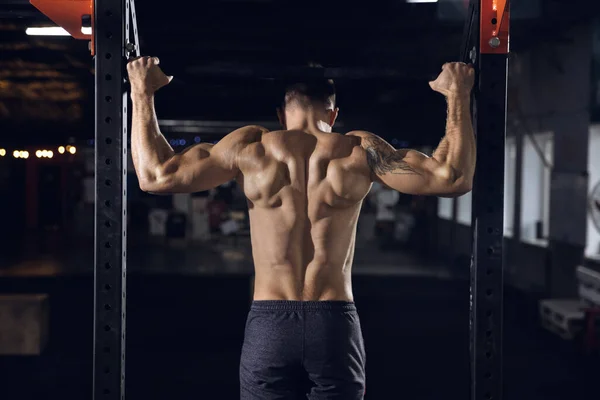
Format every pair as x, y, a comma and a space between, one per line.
304, 186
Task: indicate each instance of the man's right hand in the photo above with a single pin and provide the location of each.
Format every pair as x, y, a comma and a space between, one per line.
455, 79
145, 76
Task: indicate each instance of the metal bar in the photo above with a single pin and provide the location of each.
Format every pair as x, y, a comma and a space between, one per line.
21, 11
467, 45
208, 124
488, 209
110, 213
291, 72
15, 3
488, 214
136, 40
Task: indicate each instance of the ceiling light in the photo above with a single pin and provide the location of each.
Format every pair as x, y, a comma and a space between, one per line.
47, 31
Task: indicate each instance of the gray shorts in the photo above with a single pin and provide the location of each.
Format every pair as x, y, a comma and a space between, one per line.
300, 349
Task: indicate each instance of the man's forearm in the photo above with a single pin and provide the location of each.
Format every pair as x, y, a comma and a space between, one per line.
457, 149
149, 148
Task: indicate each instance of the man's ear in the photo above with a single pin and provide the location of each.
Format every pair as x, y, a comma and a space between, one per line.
333, 114
281, 116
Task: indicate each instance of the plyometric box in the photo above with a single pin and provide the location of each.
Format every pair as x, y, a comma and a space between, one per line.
589, 286
564, 317
24, 320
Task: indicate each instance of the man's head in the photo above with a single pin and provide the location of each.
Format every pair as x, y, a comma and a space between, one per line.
312, 95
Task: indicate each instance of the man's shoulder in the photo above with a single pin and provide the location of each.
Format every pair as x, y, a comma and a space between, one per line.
364, 139
249, 132
361, 136
244, 136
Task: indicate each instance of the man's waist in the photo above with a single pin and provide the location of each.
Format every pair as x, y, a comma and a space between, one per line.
296, 305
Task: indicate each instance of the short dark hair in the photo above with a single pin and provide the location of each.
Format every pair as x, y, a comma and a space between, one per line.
308, 91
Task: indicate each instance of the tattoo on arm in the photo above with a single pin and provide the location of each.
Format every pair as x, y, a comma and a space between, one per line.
383, 159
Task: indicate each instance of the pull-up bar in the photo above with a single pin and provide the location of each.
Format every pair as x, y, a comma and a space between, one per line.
486, 45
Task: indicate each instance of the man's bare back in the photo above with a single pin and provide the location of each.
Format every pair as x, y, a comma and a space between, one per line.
304, 192
304, 187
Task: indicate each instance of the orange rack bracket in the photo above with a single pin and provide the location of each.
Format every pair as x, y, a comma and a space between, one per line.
495, 26
74, 16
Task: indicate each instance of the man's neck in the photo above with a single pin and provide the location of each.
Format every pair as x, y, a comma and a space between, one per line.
306, 120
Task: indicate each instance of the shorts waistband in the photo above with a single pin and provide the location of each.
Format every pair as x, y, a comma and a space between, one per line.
290, 305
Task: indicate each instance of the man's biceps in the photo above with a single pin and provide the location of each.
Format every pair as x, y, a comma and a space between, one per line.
424, 165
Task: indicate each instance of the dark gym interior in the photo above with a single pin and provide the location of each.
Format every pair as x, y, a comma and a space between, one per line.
189, 275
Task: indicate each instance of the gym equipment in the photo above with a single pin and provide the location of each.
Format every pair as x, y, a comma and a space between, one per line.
487, 49
486, 45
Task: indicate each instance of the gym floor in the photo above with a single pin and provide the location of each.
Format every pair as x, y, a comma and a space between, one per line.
186, 311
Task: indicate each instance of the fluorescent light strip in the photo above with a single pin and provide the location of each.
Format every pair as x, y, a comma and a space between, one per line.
54, 31
47, 31
421, 1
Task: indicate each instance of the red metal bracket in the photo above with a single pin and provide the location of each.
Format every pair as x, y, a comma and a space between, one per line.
68, 14
494, 26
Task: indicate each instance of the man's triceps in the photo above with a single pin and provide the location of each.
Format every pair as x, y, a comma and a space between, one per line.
383, 158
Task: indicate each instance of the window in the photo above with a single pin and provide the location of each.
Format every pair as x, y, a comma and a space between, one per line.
465, 202
510, 179
535, 202
592, 248
445, 208
463, 213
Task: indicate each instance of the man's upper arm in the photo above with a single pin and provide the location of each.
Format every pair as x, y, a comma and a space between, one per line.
205, 166
405, 170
